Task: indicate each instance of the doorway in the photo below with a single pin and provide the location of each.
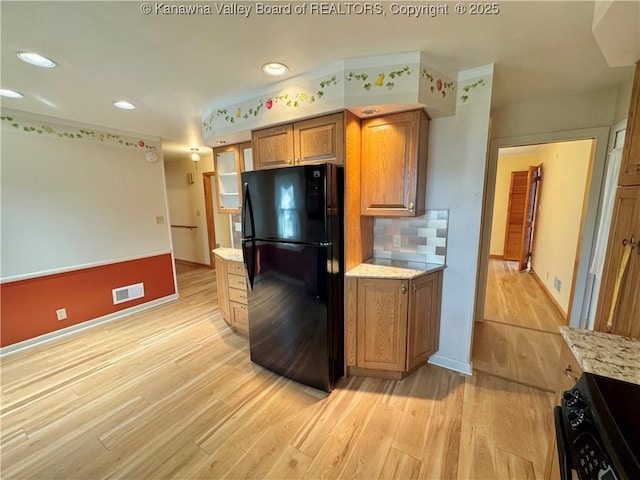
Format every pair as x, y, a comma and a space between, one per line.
218, 228
519, 310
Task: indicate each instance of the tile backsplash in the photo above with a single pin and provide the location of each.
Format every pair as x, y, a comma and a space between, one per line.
420, 239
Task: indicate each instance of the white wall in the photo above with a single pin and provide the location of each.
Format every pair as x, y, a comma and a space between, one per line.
457, 161
555, 113
70, 202
187, 207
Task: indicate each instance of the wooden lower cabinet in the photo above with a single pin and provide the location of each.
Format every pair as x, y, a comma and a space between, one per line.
568, 373
232, 294
392, 326
223, 289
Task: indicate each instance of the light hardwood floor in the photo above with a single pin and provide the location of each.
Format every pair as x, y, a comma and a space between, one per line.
516, 298
171, 393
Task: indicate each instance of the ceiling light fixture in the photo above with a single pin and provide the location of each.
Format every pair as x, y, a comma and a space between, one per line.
4, 92
275, 69
36, 59
121, 104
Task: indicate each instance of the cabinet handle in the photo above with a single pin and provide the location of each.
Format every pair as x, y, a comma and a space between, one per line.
414, 288
411, 206
297, 160
637, 167
403, 288
568, 371
288, 161
631, 242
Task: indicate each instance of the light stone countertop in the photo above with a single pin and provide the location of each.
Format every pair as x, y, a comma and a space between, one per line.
604, 353
233, 254
395, 269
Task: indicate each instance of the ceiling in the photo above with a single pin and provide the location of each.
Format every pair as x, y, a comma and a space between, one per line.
173, 66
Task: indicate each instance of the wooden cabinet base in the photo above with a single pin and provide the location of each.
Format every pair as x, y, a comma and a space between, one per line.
373, 373
232, 294
392, 326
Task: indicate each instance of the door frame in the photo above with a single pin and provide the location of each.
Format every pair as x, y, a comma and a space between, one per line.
576, 316
208, 207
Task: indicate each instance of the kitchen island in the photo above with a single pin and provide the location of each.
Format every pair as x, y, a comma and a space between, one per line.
232, 288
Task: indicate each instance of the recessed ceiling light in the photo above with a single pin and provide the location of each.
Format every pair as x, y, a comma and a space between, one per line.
124, 105
10, 93
275, 69
36, 59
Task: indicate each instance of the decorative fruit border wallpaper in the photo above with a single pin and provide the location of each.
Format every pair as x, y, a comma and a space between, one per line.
393, 83
36, 127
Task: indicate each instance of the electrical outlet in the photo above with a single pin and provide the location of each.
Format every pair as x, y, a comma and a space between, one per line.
238, 226
158, 219
397, 241
61, 314
557, 284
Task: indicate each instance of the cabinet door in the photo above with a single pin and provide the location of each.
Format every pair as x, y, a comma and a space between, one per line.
226, 165
319, 140
625, 228
630, 167
239, 318
222, 288
382, 324
393, 170
272, 147
424, 319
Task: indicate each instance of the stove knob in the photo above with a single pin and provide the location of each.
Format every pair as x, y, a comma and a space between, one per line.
576, 418
571, 397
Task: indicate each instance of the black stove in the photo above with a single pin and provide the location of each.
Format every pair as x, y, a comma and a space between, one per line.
598, 430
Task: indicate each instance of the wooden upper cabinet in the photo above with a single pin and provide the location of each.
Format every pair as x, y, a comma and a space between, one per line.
272, 147
394, 164
315, 140
319, 140
630, 166
229, 162
621, 272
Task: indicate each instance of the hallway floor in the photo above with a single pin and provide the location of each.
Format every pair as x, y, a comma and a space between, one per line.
519, 338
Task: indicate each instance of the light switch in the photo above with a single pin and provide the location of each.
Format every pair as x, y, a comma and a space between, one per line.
397, 241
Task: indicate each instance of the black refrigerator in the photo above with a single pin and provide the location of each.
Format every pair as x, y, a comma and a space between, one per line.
292, 249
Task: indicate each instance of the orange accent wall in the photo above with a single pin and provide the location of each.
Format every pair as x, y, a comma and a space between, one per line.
28, 307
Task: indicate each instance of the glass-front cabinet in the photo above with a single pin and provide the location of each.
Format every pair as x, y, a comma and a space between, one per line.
229, 162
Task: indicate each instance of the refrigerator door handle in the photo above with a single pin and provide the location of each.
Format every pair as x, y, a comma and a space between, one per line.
247, 209
250, 265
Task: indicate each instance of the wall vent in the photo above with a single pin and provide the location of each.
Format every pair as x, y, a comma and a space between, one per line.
124, 294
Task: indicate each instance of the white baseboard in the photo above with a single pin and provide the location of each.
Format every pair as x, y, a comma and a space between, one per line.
47, 337
466, 368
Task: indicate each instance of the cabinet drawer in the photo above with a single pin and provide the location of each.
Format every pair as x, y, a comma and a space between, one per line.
238, 296
237, 281
237, 268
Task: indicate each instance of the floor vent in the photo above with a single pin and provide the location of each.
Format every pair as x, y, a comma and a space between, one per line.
124, 294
